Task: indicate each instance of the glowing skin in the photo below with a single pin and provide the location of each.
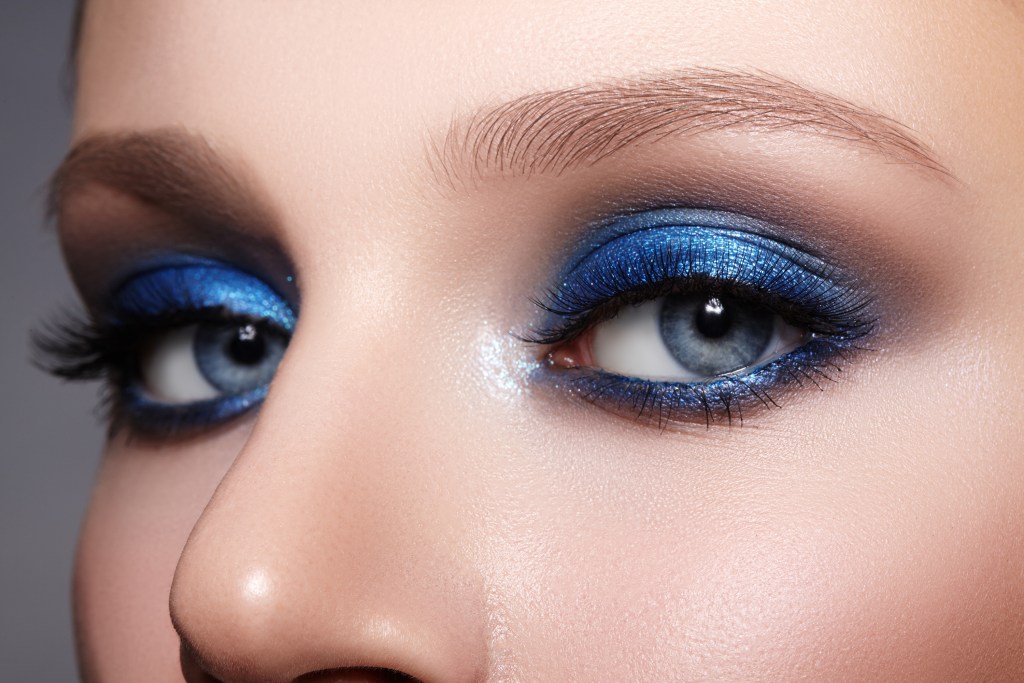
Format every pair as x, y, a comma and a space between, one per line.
419, 491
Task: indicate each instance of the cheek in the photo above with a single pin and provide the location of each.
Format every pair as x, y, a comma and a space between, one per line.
784, 598
844, 598
143, 507
888, 554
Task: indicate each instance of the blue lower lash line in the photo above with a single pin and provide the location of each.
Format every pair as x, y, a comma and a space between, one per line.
722, 399
154, 417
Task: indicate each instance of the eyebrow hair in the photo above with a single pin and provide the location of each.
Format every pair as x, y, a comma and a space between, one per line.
555, 131
178, 171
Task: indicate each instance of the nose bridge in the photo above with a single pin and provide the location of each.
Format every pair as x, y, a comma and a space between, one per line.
335, 541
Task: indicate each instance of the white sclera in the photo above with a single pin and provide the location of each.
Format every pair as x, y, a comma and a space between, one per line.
169, 370
631, 344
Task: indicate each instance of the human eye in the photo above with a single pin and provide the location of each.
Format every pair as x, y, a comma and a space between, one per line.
182, 346
685, 315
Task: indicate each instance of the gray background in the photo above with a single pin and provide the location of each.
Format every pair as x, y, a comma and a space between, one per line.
49, 439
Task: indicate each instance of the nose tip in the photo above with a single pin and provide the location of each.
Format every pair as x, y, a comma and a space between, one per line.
233, 622
261, 627
361, 590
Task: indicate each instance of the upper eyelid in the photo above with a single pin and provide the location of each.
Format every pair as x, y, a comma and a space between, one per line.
623, 224
835, 294
183, 286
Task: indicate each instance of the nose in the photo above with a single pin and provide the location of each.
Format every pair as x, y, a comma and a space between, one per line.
333, 550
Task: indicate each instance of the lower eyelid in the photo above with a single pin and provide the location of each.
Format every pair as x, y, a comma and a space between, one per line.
727, 401
148, 417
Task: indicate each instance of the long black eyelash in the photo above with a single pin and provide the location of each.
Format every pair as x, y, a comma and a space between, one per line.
836, 311
76, 348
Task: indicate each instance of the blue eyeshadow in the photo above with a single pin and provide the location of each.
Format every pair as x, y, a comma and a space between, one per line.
154, 417
198, 286
604, 231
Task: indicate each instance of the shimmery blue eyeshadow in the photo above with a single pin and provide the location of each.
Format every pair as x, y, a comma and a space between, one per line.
194, 286
606, 231
154, 416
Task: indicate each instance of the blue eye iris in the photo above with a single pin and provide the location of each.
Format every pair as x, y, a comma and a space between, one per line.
712, 335
206, 340
236, 358
694, 314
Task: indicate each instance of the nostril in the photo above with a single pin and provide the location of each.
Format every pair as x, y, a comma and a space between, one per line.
357, 675
194, 673
190, 668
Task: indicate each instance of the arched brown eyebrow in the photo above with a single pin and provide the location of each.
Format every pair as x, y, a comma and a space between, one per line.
177, 171
552, 132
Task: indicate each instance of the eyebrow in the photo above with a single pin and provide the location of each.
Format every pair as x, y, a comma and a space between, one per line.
175, 170
555, 131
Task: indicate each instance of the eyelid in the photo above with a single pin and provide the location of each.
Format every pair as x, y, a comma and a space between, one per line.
603, 231
652, 251
196, 285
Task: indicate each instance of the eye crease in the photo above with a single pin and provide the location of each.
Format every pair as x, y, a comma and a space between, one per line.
679, 316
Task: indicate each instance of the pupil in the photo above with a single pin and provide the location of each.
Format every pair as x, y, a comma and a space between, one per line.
713, 319
247, 346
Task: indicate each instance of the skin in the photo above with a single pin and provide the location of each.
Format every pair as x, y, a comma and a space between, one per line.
409, 498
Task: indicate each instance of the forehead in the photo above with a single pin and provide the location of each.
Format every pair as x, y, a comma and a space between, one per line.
370, 80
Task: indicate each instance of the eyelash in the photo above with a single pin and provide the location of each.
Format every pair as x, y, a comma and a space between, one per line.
837, 316
75, 349
798, 287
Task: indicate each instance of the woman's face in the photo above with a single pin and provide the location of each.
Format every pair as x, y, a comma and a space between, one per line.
658, 341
